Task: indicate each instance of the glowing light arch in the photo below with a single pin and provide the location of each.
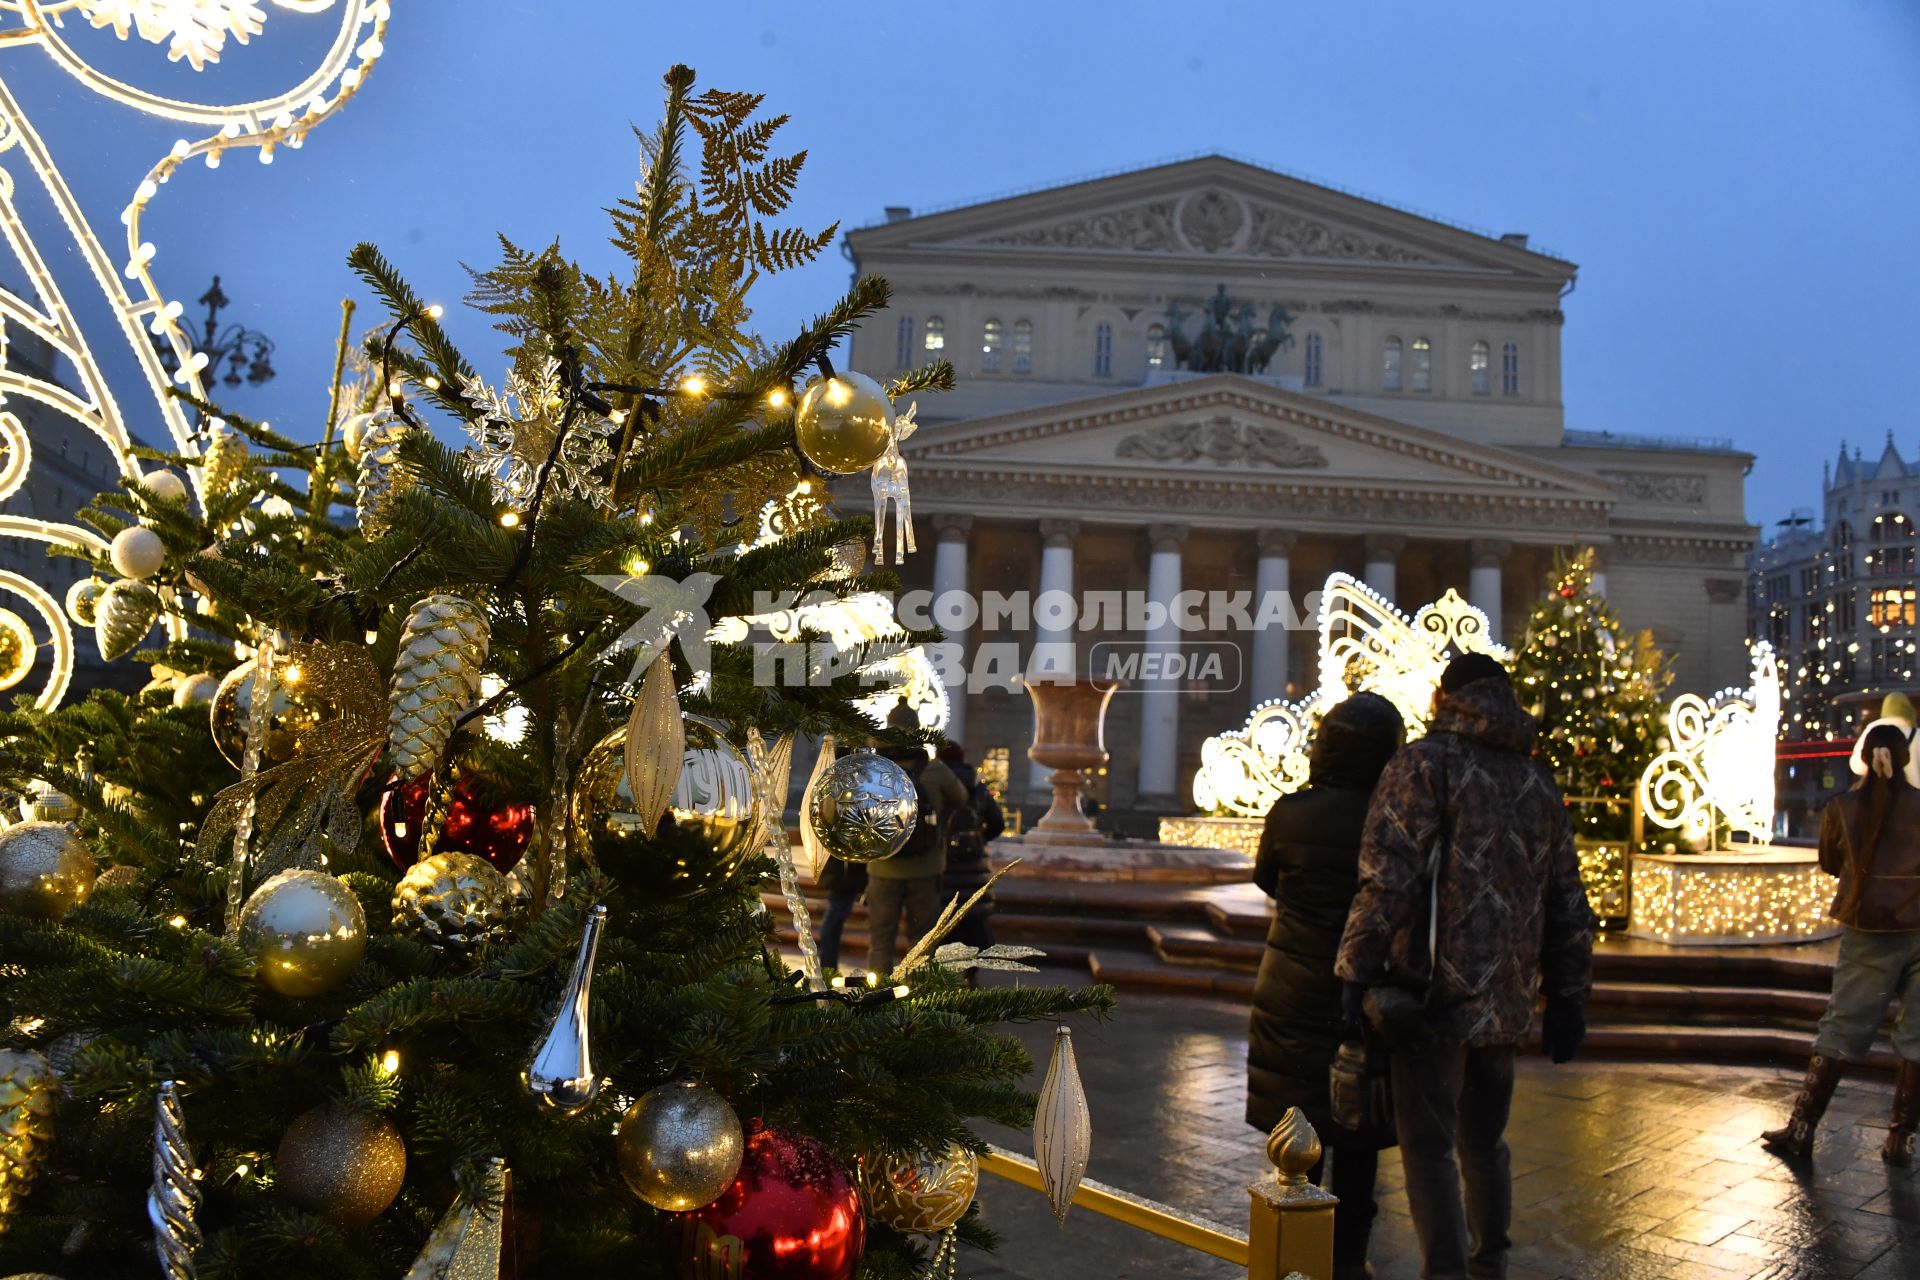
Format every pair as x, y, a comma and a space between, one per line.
1720, 759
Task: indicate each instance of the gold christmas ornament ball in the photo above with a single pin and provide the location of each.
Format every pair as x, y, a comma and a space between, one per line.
925, 1195
340, 1164
296, 712
453, 902
843, 423
82, 597
137, 552
45, 870
306, 929
195, 690
17, 648
680, 1146
43, 802
708, 830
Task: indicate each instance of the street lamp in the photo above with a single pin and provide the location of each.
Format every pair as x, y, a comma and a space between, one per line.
247, 353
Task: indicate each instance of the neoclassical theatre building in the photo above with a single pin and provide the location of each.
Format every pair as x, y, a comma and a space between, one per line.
1211, 376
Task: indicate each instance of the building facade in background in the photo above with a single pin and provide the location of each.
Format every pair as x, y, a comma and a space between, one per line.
1835, 595
1208, 376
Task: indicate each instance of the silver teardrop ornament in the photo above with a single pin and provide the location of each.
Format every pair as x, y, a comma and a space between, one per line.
561, 1077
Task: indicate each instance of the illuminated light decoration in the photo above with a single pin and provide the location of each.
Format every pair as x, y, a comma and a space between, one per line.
1603, 870
904, 674
1239, 835
196, 31
16, 649
1765, 896
1366, 644
1719, 765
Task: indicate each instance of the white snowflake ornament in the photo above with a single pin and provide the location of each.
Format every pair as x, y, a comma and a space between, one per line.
514, 432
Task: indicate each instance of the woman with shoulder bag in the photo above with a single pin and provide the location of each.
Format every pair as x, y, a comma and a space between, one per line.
1309, 864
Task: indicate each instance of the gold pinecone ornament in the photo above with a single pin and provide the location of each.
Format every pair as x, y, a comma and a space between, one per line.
436, 678
453, 902
224, 460
28, 1090
381, 475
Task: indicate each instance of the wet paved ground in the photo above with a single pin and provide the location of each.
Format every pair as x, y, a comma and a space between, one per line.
1622, 1171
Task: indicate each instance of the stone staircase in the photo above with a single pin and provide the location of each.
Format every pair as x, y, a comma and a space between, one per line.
1652, 1002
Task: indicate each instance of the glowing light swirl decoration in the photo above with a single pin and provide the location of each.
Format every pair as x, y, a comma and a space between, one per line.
1719, 763
1366, 644
196, 30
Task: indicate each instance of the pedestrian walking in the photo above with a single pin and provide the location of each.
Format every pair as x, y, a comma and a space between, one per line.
969, 829
1309, 864
844, 882
1870, 839
1470, 907
910, 879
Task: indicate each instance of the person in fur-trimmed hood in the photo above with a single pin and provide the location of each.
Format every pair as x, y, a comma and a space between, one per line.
1513, 924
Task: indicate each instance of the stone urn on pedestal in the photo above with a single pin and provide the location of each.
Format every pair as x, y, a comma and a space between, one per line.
1069, 735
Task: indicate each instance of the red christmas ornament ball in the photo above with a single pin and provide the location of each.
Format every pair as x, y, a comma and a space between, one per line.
500, 835
793, 1213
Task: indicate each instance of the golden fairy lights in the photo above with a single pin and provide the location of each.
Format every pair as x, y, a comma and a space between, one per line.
1768, 897
196, 31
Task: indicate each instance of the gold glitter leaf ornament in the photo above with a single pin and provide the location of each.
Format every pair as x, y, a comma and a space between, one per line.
436, 678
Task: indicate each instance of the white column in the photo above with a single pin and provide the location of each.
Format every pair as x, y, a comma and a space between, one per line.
950, 585
1160, 699
1599, 571
1053, 645
1383, 559
1483, 581
1272, 577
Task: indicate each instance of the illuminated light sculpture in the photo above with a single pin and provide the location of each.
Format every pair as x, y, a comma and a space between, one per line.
1366, 644
1719, 764
197, 31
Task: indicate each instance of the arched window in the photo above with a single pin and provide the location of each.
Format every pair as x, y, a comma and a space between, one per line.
1313, 359
1510, 369
1479, 365
1422, 365
1103, 351
990, 347
1023, 346
935, 338
1390, 365
903, 342
1156, 346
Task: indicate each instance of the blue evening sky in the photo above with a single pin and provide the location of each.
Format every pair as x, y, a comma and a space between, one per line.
1736, 180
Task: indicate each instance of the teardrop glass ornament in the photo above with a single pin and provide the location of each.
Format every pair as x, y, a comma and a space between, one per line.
561, 1077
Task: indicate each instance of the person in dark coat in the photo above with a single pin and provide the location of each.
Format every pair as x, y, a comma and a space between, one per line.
1309, 864
968, 868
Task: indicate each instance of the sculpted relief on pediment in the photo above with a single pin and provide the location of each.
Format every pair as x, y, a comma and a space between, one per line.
1211, 221
1223, 442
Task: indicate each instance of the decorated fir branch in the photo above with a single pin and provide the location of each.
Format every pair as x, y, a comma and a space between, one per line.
440, 802
1596, 688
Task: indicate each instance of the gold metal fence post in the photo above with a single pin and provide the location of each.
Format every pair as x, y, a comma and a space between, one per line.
1290, 1232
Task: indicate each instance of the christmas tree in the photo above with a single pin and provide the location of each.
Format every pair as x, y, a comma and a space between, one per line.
1596, 689
434, 852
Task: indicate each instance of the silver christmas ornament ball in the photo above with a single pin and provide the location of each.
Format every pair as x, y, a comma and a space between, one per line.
83, 597
865, 808
680, 1146
453, 902
306, 929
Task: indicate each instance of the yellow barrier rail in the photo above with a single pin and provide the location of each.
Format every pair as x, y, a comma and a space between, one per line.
1138, 1212
1290, 1223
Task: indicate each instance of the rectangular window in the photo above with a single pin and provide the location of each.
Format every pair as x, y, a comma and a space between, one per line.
1313, 359
1023, 346
1510, 369
1477, 367
936, 338
1891, 607
990, 347
1390, 366
1849, 612
903, 343
1103, 351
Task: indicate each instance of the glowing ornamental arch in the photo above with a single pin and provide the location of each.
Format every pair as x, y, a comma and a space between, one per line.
1720, 760
196, 31
1365, 644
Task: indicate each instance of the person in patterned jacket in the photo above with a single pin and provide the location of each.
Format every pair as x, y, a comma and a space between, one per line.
1513, 923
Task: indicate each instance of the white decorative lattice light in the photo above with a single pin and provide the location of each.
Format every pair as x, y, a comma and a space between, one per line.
195, 30
1718, 768
1366, 644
